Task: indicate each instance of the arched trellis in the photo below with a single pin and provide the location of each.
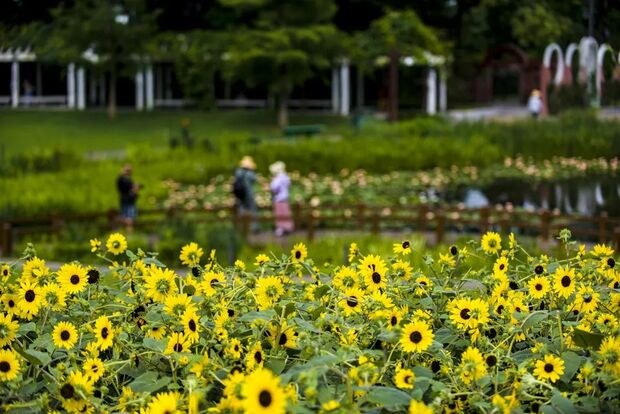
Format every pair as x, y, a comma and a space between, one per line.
591, 59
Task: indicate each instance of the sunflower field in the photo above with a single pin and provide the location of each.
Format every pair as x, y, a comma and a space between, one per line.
483, 327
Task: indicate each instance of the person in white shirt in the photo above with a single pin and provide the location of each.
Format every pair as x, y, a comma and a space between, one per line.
534, 103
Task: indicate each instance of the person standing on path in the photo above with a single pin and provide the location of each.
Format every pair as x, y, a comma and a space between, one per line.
535, 104
280, 184
244, 180
128, 194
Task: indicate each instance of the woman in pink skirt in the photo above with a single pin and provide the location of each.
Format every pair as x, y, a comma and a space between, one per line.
279, 189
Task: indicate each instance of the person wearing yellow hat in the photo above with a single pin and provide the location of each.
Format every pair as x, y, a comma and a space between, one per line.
244, 180
535, 103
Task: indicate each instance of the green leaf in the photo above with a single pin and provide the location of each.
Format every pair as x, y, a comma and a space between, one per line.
276, 365
321, 291
563, 404
158, 345
572, 362
585, 339
422, 372
388, 397
27, 327
149, 382
266, 315
534, 318
34, 357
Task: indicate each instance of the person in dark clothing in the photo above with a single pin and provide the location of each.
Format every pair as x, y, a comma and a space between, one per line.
128, 194
244, 180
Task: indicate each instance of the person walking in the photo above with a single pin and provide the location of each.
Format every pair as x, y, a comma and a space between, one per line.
280, 184
128, 194
244, 180
535, 104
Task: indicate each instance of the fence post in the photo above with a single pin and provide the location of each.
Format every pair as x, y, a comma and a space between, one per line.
545, 225
7, 239
361, 212
617, 238
375, 221
439, 229
311, 224
602, 227
422, 210
484, 219
297, 215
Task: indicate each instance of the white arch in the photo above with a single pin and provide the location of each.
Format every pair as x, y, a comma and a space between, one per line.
600, 59
559, 71
588, 50
568, 57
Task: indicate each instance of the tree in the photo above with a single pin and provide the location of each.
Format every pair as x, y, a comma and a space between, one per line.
116, 33
287, 41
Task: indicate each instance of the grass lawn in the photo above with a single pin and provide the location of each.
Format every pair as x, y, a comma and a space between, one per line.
24, 130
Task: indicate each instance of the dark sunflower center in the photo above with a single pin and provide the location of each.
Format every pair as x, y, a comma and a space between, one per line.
352, 301
65, 335
192, 325
500, 309
264, 398
231, 312
93, 276
214, 283
587, 299
454, 250
406, 244
75, 279
104, 332
30, 295
502, 266
548, 367
258, 357
465, 314
283, 339
393, 321
116, 244
423, 282
538, 286
11, 303
415, 337
491, 360
178, 347
297, 256
5, 272
67, 391
566, 281
5, 366
611, 262
538, 269
376, 277
407, 379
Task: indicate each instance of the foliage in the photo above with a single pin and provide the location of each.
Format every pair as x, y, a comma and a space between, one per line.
481, 327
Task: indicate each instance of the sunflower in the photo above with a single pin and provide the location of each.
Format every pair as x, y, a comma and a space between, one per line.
402, 269
5, 273
501, 265
538, 287
72, 277
65, 335
374, 271
9, 365
299, 253
283, 335
160, 283
165, 403
468, 313
609, 353
178, 342
104, 333
564, 284
447, 260
156, 332
472, 366
191, 326
54, 296
116, 244
345, 277
29, 299
404, 378
423, 285
211, 283
8, 329
176, 305
418, 407
234, 349
491, 242
93, 275
255, 357
262, 393
586, 299
402, 248
73, 391
549, 368
93, 368
191, 254
10, 304
95, 244
268, 290
601, 250
417, 336
394, 317
261, 259
352, 302
34, 269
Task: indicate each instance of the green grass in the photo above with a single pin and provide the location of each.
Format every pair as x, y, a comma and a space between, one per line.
92, 130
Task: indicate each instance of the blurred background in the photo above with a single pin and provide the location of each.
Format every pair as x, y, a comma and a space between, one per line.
426, 120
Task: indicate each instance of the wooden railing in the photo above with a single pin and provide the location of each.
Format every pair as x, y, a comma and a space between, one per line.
363, 217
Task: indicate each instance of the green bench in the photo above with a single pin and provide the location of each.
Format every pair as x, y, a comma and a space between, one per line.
305, 130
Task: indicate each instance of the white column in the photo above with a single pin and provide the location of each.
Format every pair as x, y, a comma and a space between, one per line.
150, 101
71, 85
15, 84
81, 89
335, 91
443, 91
345, 88
139, 90
431, 91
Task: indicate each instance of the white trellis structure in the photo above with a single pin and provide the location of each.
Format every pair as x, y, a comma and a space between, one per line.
436, 84
591, 59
